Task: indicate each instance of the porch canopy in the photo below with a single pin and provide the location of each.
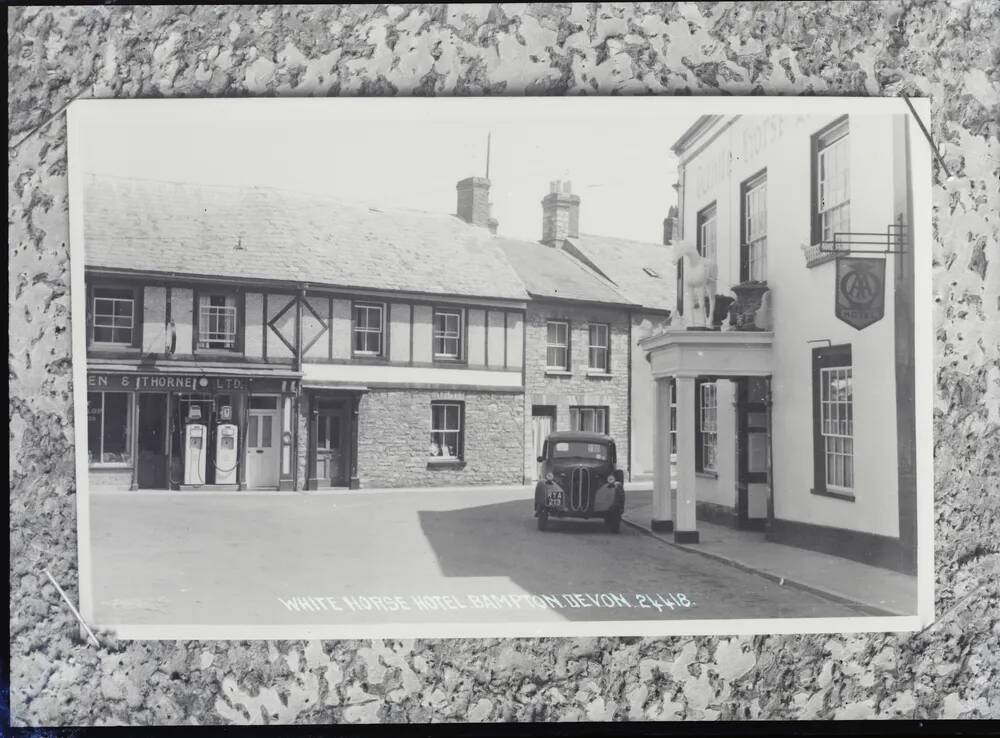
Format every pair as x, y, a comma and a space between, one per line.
683, 356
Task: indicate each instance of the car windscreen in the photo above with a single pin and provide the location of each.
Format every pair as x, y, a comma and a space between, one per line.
579, 450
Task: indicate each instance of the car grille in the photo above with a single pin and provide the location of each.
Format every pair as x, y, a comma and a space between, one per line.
579, 495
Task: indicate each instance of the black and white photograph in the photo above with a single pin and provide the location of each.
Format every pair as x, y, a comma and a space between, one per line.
396, 368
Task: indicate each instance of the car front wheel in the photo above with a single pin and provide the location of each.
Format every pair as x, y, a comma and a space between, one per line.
543, 520
613, 521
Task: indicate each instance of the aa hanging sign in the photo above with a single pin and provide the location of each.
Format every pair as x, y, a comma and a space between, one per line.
860, 291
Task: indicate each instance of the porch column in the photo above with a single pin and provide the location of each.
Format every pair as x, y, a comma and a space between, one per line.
663, 514
685, 520
355, 406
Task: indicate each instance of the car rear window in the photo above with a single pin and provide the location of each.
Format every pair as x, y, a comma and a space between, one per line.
580, 450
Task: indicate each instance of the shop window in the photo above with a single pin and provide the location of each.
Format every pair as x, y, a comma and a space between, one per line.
600, 348
590, 419
557, 345
447, 334
833, 421
369, 329
217, 321
109, 428
831, 182
706, 429
708, 243
753, 229
447, 431
114, 316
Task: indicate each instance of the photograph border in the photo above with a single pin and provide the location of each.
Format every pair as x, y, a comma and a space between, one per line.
82, 112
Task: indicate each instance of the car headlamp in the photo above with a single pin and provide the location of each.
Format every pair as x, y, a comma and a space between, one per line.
549, 477
611, 479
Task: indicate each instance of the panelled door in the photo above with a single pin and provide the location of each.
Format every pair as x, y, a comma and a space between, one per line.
263, 441
330, 458
543, 422
753, 441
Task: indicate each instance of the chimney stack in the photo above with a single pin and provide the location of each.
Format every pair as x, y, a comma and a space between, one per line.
560, 214
474, 202
670, 226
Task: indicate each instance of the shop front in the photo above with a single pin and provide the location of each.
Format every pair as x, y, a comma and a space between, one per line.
205, 430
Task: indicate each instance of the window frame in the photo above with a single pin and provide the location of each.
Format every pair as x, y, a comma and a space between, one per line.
461, 337
701, 435
708, 214
137, 315
460, 431
557, 346
129, 430
821, 141
239, 317
578, 410
382, 333
826, 358
749, 185
591, 346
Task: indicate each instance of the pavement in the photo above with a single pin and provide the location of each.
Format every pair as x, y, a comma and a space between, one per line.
876, 590
402, 556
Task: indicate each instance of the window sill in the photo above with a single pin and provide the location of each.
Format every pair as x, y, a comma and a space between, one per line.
846, 496
558, 373
110, 465
815, 257
446, 463
597, 374
707, 475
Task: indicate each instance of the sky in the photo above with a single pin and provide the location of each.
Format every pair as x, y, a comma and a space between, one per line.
620, 165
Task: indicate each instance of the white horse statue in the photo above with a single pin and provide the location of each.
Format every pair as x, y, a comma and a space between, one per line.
700, 279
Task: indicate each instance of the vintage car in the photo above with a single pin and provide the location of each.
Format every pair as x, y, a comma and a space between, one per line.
578, 478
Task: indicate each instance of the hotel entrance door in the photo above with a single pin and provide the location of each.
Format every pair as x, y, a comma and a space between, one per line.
753, 446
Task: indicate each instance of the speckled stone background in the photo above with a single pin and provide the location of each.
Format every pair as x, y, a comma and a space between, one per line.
948, 51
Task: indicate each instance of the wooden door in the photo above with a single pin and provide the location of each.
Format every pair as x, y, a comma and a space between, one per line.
543, 421
753, 442
263, 443
331, 468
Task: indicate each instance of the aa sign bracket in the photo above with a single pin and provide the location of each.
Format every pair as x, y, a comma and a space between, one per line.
891, 241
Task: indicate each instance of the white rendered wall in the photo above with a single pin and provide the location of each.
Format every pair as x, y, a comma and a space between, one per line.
802, 302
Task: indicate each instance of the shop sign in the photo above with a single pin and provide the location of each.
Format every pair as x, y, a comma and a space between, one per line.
860, 290
182, 383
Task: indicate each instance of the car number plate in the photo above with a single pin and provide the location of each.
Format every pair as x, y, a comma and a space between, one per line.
555, 498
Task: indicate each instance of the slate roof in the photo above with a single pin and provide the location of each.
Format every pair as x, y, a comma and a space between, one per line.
625, 262
551, 273
271, 234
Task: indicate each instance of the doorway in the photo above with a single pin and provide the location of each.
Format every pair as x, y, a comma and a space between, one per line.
262, 468
331, 456
151, 427
543, 422
753, 452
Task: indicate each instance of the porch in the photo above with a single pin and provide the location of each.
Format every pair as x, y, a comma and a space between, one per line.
681, 361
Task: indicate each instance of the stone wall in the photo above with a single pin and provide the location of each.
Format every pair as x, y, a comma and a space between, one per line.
394, 437
542, 387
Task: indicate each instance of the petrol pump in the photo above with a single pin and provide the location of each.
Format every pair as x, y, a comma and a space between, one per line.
225, 447
195, 437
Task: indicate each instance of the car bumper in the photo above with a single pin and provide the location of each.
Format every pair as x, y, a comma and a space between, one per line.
606, 498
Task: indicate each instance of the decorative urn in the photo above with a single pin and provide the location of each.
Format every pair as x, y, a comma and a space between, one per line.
749, 296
